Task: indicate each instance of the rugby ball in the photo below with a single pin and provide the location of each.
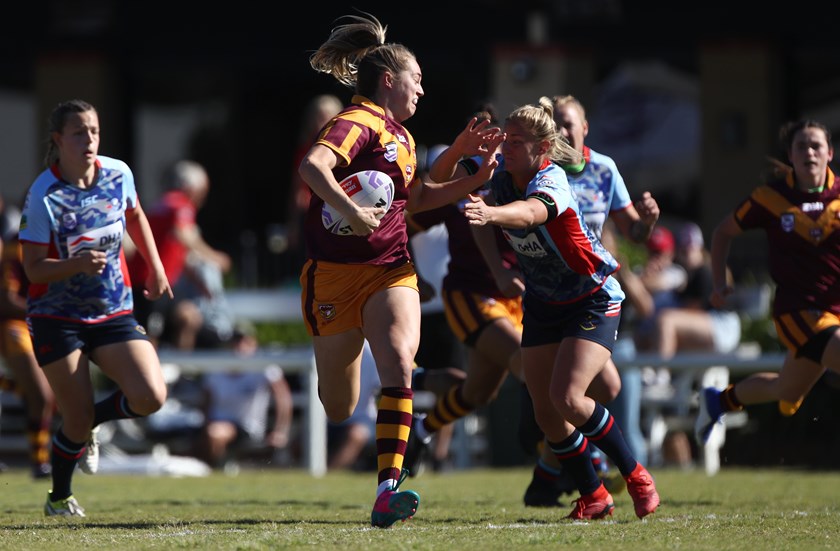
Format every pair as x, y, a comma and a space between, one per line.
369, 188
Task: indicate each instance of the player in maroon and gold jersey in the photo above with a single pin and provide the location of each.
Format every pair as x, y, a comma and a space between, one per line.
799, 210
28, 378
363, 286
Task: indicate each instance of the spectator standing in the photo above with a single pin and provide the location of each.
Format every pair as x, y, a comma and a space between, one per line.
177, 234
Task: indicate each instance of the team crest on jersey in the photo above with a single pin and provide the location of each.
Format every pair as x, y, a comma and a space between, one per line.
68, 220
391, 151
788, 221
327, 311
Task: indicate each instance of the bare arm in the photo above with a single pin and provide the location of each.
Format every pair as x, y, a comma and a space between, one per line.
637, 221
471, 141
138, 228
636, 292
722, 238
40, 269
445, 169
518, 214
190, 237
430, 195
316, 170
427, 290
508, 281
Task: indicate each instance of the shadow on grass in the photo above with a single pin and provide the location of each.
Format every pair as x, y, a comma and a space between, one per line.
63, 523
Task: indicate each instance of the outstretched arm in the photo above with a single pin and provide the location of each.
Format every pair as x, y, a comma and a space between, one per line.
430, 195
471, 141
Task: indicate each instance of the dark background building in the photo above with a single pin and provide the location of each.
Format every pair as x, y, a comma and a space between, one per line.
686, 96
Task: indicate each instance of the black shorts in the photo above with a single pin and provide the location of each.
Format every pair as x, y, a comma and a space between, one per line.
594, 318
54, 339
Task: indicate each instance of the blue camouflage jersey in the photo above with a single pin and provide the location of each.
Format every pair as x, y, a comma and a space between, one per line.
562, 260
599, 189
68, 220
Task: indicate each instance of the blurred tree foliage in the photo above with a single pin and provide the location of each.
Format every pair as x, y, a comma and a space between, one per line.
285, 333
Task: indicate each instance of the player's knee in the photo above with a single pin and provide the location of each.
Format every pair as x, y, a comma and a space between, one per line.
147, 404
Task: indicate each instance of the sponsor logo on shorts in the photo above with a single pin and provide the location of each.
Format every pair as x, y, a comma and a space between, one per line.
140, 329
327, 311
587, 325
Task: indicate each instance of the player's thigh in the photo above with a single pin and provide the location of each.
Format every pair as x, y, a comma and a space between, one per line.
134, 366
392, 326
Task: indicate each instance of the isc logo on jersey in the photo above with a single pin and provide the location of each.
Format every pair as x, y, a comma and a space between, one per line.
369, 188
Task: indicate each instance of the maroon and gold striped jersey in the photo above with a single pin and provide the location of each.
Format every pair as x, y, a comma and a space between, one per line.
364, 138
803, 230
467, 271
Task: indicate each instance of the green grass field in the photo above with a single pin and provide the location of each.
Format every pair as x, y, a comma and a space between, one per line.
475, 509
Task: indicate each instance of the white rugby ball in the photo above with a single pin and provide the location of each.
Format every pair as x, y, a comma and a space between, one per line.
368, 188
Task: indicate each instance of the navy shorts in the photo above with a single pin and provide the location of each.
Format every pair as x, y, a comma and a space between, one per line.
594, 318
54, 339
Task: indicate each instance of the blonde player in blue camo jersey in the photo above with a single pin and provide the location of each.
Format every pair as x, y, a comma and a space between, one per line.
571, 305
80, 302
601, 193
